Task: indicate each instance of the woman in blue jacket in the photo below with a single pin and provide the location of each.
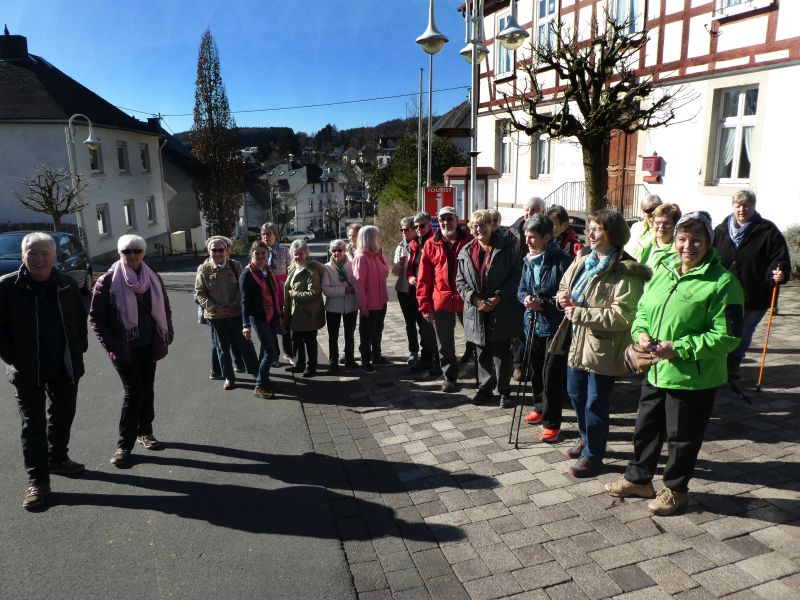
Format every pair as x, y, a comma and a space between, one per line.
542, 270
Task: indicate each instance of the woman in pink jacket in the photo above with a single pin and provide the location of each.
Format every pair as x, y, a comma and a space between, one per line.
370, 272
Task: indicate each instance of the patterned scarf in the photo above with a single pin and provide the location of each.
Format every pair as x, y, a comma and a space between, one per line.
264, 282
737, 233
591, 267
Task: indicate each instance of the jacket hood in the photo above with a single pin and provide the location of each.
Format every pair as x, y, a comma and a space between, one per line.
625, 263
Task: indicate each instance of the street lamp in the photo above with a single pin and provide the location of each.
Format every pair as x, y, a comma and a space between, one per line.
91, 143
432, 40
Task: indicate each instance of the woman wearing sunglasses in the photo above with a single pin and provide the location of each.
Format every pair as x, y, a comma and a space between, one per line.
131, 317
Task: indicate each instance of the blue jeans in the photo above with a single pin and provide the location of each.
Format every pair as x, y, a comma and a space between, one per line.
752, 317
269, 351
590, 394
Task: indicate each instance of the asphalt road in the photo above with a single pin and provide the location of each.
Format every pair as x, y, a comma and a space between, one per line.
231, 508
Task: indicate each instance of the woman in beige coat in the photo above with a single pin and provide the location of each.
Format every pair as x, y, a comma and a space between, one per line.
599, 293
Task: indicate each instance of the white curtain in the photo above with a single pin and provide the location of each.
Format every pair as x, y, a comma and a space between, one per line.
727, 144
748, 141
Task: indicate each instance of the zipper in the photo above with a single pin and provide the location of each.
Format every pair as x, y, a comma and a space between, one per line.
64, 329
660, 320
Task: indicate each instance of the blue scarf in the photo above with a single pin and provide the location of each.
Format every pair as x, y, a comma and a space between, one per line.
591, 267
737, 233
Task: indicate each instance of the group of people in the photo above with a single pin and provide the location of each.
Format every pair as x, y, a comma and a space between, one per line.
534, 302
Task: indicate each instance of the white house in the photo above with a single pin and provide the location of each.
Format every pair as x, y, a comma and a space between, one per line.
123, 175
739, 58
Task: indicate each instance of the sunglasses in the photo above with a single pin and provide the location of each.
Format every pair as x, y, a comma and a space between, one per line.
447, 218
338, 250
128, 251
404, 229
215, 250
421, 225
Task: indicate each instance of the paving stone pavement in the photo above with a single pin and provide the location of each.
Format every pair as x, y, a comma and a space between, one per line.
431, 501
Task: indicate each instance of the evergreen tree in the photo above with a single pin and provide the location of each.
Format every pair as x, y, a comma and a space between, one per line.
215, 144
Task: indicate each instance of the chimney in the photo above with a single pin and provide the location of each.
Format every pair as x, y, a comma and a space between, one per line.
13, 47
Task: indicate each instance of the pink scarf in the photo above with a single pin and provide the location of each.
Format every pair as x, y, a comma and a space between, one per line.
125, 284
267, 295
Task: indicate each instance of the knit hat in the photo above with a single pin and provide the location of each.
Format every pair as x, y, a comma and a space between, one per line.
698, 215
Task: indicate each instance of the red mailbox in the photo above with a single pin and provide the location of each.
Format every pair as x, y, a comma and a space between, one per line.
651, 164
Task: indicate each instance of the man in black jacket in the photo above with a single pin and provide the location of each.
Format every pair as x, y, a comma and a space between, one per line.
42, 340
755, 251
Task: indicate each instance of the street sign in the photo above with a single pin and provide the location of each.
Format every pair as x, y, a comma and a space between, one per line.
438, 196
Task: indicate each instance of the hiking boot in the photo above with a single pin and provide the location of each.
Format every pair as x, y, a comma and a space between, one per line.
549, 436
148, 441
66, 467
263, 392
668, 502
448, 385
533, 417
506, 401
622, 488
35, 496
585, 467
575, 451
121, 458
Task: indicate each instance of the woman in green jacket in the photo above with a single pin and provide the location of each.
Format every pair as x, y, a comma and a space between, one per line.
690, 318
303, 309
662, 248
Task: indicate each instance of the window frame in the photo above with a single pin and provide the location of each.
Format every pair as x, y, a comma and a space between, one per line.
98, 152
150, 209
505, 142
546, 21
637, 22
102, 209
144, 157
504, 58
737, 123
123, 161
129, 214
536, 172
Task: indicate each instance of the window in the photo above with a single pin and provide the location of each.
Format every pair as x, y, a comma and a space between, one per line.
728, 8
541, 157
129, 209
505, 57
319, 207
627, 12
96, 159
312, 189
333, 186
151, 209
122, 157
545, 23
144, 157
504, 148
735, 128
103, 220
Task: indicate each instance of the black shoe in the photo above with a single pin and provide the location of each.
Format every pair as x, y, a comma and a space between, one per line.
421, 366
333, 368
506, 401
216, 376
351, 364
482, 396
412, 359
66, 467
380, 360
122, 458
309, 373
368, 369
343, 361
576, 451
241, 369
586, 467
435, 370
295, 369
449, 385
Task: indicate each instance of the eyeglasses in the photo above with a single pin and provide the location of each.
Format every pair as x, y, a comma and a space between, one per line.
445, 218
664, 224
421, 225
595, 230
337, 250
128, 251
404, 229
215, 250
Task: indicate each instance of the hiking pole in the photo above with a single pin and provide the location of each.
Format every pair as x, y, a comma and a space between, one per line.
766, 339
522, 385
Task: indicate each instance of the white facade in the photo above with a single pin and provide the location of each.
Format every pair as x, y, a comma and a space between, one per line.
715, 50
130, 200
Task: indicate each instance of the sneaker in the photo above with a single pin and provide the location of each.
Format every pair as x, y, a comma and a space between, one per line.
148, 441
35, 496
482, 396
448, 385
287, 359
585, 467
66, 467
215, 376
549, 436
533, 417
263, 392
229, 384
622, 488
121, 458
668, 502
368, 369
412, 359
380, 360
517, 374
506, 401
575, 451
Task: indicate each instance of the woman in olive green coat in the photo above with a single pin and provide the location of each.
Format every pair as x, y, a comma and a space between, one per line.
303, 309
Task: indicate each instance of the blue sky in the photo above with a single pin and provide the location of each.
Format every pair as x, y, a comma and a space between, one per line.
142, 54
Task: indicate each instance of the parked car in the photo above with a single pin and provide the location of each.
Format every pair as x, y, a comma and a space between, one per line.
300, 234
71, 257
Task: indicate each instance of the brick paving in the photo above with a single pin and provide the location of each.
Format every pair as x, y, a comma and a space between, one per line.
431, 501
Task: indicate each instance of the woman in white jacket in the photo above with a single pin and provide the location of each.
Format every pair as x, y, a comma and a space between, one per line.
340, 305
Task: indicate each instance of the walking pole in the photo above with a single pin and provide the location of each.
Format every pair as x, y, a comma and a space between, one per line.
766, 339
523, 383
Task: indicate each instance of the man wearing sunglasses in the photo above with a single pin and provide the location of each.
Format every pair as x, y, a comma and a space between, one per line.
439, 301
428, 359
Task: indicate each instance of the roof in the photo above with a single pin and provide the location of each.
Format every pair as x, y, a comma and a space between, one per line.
31, 89
455, 122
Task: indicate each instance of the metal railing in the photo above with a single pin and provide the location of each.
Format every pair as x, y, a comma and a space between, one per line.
624, 198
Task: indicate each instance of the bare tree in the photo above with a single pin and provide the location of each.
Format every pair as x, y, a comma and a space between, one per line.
336, 211
215, 145
600, 91
53, 192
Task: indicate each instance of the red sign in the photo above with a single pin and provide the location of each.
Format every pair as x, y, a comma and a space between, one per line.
438, 196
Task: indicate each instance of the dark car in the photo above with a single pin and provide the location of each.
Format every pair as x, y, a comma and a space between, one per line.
71, 258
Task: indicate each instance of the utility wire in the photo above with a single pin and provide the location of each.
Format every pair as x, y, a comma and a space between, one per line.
319, 105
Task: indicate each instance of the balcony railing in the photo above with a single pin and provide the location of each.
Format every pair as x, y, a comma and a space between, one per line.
624, 198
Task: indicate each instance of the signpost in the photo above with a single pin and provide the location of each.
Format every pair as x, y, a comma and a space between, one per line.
438, 196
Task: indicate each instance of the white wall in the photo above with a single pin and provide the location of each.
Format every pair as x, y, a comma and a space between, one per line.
23, 147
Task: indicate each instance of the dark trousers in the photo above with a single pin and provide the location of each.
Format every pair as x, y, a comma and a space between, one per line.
228, 334
138, 409
684, 414
427, 334
333, 320
369, 331
549, 381
216, 368
305, 344
268, 353
408, 306
494, 366
444, 324
518, 351
45, 428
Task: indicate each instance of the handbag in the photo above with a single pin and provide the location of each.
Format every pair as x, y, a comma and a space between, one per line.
638, 359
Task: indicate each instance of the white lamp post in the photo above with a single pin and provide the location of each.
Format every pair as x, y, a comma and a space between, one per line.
432, 40
91, 143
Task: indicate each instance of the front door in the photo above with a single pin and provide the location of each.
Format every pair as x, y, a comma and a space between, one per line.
622, 172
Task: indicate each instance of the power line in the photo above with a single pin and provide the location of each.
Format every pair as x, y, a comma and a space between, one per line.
319, 105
